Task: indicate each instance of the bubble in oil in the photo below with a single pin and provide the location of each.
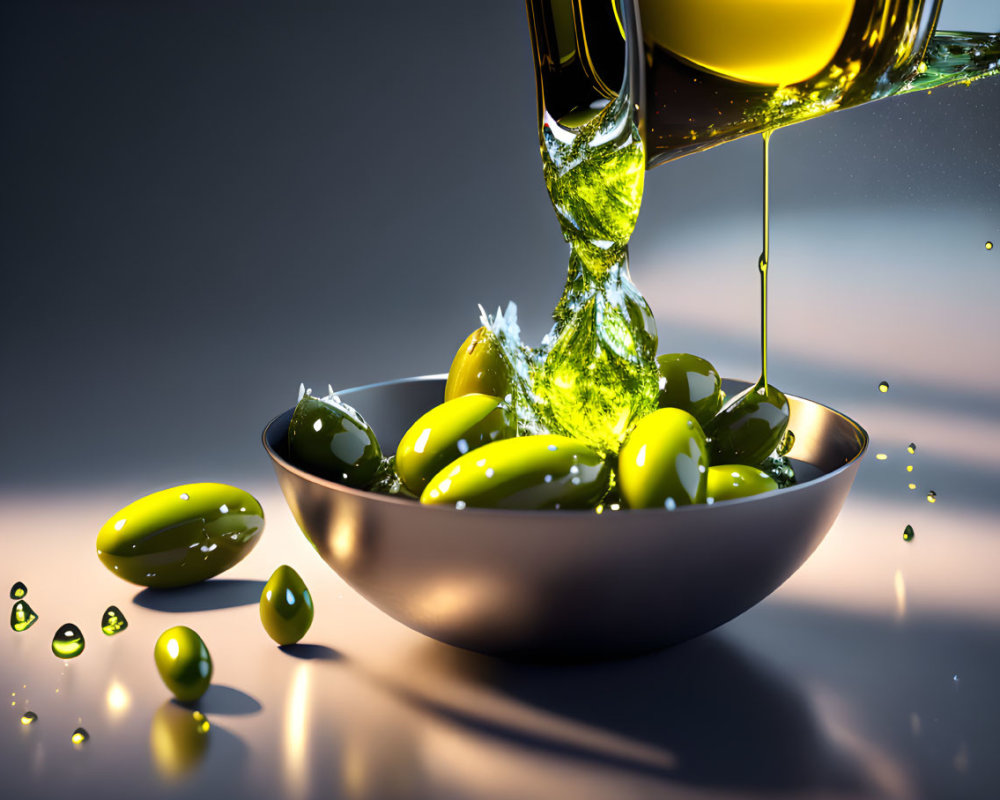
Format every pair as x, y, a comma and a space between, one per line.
18, 590
29, 717
68, 641
883, 387
931, 496
908, 533
79, 737
113, 621
787, 443
911, 448
22, 616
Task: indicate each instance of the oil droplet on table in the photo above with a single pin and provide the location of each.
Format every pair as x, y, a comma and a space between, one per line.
68, 641
989, 245
911, 448
22, 616
911, 486
18, 590
883, 387
113, 621
881, 456
932, 496
908, 533
28, 717
79, 736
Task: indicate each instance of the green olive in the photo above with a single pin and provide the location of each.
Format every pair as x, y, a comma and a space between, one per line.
479, 367
183, 662
729, 481
180, 536
749, 428
689, 383
448, 431
529, 472
663, 461
286, 607
330, 439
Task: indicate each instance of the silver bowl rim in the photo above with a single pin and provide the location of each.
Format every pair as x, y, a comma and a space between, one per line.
369, 496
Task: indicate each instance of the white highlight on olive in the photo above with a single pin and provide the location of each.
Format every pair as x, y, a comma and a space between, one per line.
421, 443
318, 425
120, 524
640, 457
289, 597
173, 648
463, 446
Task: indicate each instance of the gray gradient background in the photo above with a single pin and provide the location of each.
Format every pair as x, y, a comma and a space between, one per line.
203, 207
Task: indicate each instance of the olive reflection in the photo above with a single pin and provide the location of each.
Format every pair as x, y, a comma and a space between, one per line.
178, 740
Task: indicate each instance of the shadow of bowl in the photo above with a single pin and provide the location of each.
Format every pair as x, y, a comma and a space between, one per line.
566, 585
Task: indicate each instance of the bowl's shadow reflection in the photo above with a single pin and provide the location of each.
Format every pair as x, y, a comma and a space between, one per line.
705, 713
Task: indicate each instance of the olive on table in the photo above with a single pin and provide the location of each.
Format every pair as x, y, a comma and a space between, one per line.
330, 439
180, 536
528, 472
448, 431
663, 462
730, 481
183, 663
749, 428
690, 383
286, 607
479, 367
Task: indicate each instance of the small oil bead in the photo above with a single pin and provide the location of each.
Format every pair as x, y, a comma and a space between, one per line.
68, 641
908, 533
883, 387
79, 737
18, 590
29, 717
22, 616
113, 621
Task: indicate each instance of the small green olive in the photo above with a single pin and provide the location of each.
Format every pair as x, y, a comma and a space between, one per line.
689, 383
448, 431
749, 428
286, 607
479, 367
729, 481
330, 439
183, 662
181, 536
528, 472
663, 461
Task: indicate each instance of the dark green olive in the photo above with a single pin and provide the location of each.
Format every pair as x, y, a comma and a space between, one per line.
183, 662
729, 481
479, 367
689, 383
749, 428
286, 607
330, 439
448, 431
663, 461
529, 472
180, 536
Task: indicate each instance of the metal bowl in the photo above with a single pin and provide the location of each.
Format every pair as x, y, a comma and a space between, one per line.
566, 584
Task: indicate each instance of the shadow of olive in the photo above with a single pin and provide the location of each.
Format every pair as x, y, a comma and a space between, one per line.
206, 596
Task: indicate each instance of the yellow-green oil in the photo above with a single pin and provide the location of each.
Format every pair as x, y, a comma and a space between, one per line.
22, 616
68, 641
113, 621
18, 590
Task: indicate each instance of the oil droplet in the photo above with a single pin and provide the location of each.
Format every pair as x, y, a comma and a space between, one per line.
989, 245
29, 717
909, 467
883, 387
911, 486
18, 590
79, 736
908, 533
911, 448
68, 641
201, 722
787, 442
113, 621
22, 616
932, 496
881, 456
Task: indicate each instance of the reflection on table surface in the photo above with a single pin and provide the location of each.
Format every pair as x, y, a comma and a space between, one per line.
868, 674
